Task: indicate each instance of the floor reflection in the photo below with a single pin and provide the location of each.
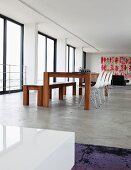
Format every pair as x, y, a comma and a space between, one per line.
9, 137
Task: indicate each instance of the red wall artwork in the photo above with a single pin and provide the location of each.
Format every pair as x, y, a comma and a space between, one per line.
119, 65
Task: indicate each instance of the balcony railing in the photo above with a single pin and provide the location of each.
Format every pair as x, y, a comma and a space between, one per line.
12, 77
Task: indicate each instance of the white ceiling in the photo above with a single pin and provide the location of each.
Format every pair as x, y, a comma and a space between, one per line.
105, 24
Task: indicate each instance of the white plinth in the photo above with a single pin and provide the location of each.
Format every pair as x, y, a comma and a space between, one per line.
32, 149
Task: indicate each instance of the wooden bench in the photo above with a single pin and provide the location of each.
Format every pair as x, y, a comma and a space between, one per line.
39, 88
73, 84
62, 88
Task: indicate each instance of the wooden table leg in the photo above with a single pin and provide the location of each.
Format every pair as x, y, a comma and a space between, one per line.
80, 86
87, 91
74, 90
61, 93
64, 90
46, 89
40, 96
25, 95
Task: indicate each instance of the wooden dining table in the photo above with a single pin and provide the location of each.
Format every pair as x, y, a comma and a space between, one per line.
87, 79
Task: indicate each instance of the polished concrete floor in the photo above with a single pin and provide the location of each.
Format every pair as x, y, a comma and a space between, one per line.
109, 125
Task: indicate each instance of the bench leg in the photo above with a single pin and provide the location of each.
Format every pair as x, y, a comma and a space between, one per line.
50, 95
25, 95
64, 90
80, 86
40, 97
61, 93
74, 90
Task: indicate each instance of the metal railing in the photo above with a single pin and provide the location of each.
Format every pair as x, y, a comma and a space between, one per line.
12, 77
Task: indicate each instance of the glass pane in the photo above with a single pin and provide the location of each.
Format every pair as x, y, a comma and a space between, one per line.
50, 56
67, 49
41, 58
71, 61
67, 58
12, 135
13, 56
1, 138
1, 53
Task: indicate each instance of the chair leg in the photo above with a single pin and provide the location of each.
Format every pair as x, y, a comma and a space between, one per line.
99, 96
82, 101
94, 98
103, 94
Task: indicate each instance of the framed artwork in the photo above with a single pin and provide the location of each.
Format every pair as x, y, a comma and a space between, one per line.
120, 65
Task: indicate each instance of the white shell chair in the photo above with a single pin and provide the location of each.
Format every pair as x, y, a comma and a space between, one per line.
107, 78
110, 78
94, 91
109, 82
100, 90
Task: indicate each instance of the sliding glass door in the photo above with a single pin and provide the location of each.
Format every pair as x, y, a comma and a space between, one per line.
1, 53
11, 55
46, 56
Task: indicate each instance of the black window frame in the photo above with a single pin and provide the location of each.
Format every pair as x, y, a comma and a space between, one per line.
84, 59
68, 55
55, 51
5, 19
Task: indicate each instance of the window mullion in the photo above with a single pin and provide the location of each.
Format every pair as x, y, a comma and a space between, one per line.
4, 55
45, 53
21, 57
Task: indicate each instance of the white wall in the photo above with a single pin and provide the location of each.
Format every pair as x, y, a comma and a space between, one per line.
93, 61
31, 52
78, 58
61, 55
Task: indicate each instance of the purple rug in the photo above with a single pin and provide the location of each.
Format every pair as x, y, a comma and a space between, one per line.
90, 157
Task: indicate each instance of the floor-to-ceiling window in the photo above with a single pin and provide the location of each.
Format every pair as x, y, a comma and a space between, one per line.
50, 55
11, 55
84, 59
1, 53
41, 57
46, 55
70, 59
